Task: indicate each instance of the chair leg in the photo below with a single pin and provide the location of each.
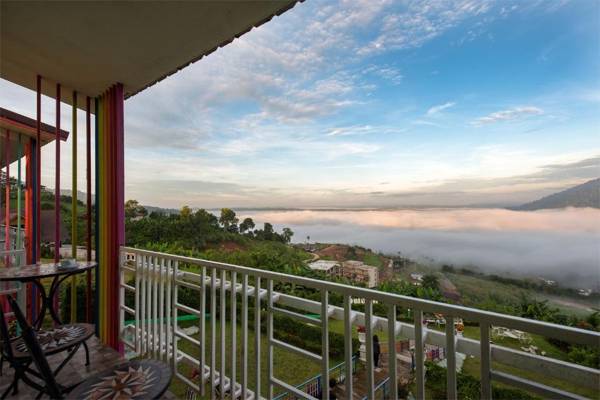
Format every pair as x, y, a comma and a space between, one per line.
13, 386
7, 391
16, 387
87, 354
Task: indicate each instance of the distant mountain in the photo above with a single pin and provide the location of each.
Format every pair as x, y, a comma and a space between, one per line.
584, 195
81, 196
161, 210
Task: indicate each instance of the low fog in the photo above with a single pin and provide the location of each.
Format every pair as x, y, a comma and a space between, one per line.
563, 245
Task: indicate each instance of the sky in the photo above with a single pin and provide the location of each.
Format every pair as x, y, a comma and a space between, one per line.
370, 104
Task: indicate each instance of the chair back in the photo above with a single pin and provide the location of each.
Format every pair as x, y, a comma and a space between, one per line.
5, 337
36, 352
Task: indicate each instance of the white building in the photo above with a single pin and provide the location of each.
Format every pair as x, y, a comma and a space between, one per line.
331, 268
358, 271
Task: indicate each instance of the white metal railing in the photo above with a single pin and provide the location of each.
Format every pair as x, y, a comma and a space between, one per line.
155, 329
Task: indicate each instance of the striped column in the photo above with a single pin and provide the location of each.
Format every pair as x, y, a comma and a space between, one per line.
110, 227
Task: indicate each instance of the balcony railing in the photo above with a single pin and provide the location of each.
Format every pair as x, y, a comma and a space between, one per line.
153, 279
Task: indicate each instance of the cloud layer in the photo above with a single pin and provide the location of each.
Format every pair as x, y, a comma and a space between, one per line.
559, 244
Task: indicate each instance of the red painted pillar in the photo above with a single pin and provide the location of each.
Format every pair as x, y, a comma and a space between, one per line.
110, 208
7, 198
88, 160
30, 236
57, 191
38, 167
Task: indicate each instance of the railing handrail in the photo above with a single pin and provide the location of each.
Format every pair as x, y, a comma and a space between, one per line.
547, 329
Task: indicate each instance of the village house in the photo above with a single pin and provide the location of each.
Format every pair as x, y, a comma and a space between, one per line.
357, 271
330, 268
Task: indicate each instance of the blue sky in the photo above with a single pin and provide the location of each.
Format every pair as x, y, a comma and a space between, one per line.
374, 103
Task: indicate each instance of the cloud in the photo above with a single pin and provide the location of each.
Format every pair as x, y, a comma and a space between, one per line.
508, 115
386, 72
421, 22
437, 109
555, 244
359, 130
425, 122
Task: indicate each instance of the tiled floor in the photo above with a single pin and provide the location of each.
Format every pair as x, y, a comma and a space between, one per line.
101, 358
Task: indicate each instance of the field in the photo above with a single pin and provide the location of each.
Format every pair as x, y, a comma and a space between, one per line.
289, 367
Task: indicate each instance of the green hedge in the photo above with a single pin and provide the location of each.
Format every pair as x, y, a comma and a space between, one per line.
468, 386
65, 301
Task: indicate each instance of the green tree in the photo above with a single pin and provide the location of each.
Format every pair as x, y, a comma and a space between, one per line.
229, 220
534, 309
287, 234
268, 231
134, 209
247, 225
185, 212
430, 281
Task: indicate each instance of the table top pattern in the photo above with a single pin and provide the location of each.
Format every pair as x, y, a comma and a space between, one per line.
40, 271
144, 379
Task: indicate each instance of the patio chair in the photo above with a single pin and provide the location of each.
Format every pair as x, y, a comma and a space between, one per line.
64, 338
146, 379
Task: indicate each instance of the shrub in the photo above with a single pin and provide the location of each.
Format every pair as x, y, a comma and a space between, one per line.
468, 386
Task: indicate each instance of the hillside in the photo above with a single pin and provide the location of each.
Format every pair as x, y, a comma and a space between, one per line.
584, 195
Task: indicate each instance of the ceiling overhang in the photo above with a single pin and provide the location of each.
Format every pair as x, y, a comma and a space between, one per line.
88, 46
18, 126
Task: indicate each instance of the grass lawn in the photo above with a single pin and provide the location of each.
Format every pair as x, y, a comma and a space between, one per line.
542, 344
289, 367
372, 259
472, 365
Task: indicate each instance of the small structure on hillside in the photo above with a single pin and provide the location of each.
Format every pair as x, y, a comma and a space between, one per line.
331, 268
358, 271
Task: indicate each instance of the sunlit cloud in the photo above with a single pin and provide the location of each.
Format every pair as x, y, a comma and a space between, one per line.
439, 108
508, 115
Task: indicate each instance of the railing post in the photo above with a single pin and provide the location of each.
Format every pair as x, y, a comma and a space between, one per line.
143, 336
233, 333
325, 343
213, 330
222, 318
486, 387
269, 339
392, 366
174, 312
257, 336
369, 344
149, 337
202, 331
349, 361
163, 344
419, 359
155, 342
244, 337
121, 296
169, 309
137, 305
450, 358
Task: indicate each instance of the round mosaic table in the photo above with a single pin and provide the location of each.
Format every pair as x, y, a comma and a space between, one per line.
35, 273
142, 379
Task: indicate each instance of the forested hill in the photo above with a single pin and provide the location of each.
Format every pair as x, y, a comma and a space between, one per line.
584, 195
223, 238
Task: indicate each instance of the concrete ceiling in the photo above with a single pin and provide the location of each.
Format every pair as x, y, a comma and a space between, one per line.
89, 45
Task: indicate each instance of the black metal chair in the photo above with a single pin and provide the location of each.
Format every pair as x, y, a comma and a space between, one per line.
146, 379
65, 338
